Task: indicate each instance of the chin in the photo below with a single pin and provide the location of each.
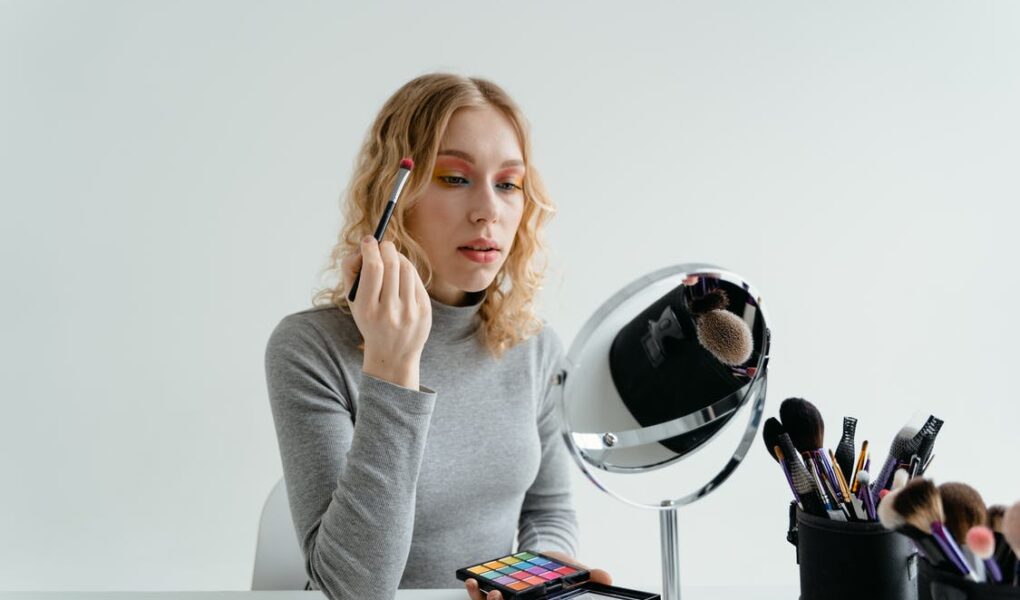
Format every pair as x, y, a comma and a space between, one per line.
475, 284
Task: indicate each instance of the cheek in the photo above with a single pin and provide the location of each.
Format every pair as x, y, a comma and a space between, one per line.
432, 223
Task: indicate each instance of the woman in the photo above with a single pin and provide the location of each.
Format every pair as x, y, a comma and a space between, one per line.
416, 426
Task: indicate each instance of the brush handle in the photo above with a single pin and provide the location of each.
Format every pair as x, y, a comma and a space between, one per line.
994, 572
830, 474
885, 474
857, 468
817, 482
869, 502
789, 480
952, 549
380, 229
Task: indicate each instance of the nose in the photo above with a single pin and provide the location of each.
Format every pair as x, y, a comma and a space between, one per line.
485, 204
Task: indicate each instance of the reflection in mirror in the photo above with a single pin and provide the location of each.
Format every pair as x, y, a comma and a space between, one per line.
678, 372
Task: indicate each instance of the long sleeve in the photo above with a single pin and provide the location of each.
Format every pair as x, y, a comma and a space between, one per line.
548, 520
351, 469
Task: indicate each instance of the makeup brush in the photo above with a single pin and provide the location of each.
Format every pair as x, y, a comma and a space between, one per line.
863, 477
1003, 553
856, 509
900, 479
804, 423
406, 165
931, 429
920, 506
981, 541
902, 446
786, 471
963, 507
995, 515
887, 515
1011, 529
846, 446
810, 498
860, 465
770, 433
725, 335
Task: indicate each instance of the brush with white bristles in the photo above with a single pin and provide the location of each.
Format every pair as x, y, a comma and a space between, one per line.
892, 520
920, 506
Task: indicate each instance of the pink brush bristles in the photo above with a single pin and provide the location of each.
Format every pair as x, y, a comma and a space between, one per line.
406, 163
981, 541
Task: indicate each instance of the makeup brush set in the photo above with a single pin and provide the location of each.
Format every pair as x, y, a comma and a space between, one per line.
836, 485
969, 550
860, 534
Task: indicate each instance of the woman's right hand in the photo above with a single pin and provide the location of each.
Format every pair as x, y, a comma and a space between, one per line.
392, 310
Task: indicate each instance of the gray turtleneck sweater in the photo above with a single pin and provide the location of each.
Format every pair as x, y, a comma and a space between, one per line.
392, 487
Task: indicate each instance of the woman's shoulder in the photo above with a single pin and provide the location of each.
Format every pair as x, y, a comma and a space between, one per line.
549, 341
546, 349
325, 326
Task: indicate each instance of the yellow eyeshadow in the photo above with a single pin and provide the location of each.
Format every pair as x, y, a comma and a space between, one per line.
478, 570
494, 565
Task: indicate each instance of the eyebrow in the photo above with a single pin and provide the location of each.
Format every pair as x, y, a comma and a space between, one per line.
471, 159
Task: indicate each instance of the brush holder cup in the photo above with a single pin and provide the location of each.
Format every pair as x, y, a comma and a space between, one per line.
939, 584
847, 560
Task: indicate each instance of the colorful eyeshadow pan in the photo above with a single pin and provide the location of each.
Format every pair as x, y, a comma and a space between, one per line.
521, 572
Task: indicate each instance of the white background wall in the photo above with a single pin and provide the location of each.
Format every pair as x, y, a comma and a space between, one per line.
170, 184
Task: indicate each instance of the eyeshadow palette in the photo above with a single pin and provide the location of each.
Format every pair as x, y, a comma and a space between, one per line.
523, 575
533, 576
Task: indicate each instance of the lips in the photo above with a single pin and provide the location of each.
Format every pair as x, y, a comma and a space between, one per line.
480, 256
480, 244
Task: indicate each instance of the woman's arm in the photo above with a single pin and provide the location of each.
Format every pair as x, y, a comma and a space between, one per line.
350, 479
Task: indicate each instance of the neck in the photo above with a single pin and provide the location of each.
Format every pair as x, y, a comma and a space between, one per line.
452, 322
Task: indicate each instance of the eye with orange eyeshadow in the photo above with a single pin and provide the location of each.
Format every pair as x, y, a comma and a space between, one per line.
448, 178
513, 176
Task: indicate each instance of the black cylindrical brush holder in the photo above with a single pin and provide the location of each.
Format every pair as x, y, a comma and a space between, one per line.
852, 560
940, 584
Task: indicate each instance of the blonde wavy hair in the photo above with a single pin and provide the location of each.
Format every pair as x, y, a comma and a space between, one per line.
412, 123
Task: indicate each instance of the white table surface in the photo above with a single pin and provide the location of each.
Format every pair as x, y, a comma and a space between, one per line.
688, 593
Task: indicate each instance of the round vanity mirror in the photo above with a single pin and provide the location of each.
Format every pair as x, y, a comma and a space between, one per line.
662, 391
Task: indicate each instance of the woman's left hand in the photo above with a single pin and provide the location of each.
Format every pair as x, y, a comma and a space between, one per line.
597, 575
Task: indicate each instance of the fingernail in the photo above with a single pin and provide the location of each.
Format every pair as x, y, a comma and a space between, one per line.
366, 239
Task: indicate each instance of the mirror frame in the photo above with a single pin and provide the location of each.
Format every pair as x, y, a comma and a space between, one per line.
755, 388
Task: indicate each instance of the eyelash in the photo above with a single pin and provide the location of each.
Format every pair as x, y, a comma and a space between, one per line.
444, 178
